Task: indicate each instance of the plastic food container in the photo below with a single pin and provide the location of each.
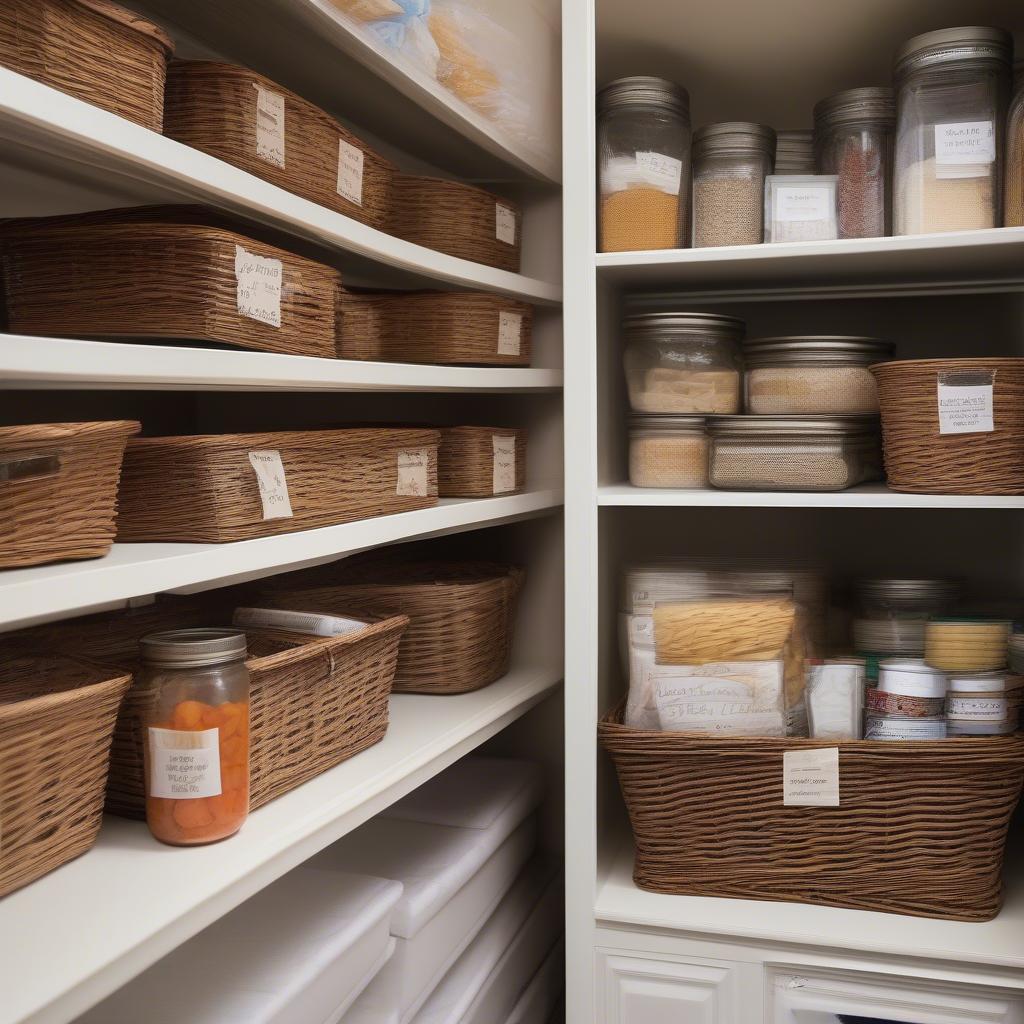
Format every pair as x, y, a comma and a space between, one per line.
800, 207
967, 645
910, 677
981, 697
906, 596
897, 727
895, 635
668, 451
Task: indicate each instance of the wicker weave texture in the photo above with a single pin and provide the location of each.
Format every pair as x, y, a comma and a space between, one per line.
58, 490
91, 49
213, 107
920, 829
466, 462
56, 722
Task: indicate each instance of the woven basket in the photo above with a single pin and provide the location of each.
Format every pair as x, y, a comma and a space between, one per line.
206, 488
921, 460
920, 828
91, 49
56, 721
468, 328
58, 490
480, 462
159, 272
213, 107
462, 615
457, 219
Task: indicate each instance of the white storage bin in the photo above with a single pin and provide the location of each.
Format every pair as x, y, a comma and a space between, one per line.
539, 1001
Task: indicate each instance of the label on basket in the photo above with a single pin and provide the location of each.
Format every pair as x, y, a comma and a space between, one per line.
965, 149
269, 126
184, 765
258, 286
350, 172
965, 403
504, 224
510, 330
413, 467
273, 484
810, 778
504, 463
663, 172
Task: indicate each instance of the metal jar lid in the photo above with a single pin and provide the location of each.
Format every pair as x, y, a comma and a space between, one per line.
193, 648
873, 106
668, 423
823, 427
972, 44
642, 92
835, 349
733, 137
713, 326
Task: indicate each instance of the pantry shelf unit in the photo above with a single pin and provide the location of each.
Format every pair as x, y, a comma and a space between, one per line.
74, 936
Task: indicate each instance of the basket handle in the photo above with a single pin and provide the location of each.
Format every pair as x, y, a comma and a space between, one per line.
15, 469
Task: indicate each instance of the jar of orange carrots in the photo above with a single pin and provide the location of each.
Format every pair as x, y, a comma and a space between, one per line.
196, 734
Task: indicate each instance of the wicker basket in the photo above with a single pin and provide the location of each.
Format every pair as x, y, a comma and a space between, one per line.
480, 462
92, 49
221, 109
468, 328
208, 488
461, 615
163, 272
56, 722
58, 490
457, 219
920, 459
920, 828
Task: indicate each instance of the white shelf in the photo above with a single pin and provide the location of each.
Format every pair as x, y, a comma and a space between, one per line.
62, 137
74, 936
132, 570
50, 363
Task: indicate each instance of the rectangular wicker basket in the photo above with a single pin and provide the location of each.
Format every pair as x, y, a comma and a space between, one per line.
216, 108
165, 272
93, 50
58, 490
480, 462
920, 829
208, 488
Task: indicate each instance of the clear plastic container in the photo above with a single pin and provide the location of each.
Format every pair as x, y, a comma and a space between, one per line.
683, 363
644, 165
668, 451
953, 90
1013, 212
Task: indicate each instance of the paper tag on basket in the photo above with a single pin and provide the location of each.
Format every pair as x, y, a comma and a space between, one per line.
504, 224
350, 172
258, 286
504, 463
273, 484
510, 329
269, 126
810, 778
184, 765
663, 172
965, 149
965, 403
413, 466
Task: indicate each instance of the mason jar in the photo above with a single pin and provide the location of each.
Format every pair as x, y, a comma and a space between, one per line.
1013, 193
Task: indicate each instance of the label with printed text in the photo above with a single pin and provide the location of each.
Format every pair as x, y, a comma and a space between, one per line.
510, 329
258, 286
794, 203
184, 765
810, 778
965, 409
504, 224
273, 484
663, 172
965, 149
350, 172
504, 463
269, 126
413, 469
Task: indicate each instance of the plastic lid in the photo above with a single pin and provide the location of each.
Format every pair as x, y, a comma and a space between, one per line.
966, 43
697, 324
799, 426
734, 137
668, 423
980, 682
830, 348
872, 104
193, 648
644, 92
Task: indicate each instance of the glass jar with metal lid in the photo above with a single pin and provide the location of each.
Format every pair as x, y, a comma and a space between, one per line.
730, 162
853, 138
812, 374
194, 685
953, 87
668, 451
643, 138
1013, 193
683, 363
793, 453
907, 597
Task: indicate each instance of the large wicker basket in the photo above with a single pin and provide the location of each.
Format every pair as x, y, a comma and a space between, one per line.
214, 107
56, 721
207, 488
480, 462
163, 272
58, 490
920, 828
92, 49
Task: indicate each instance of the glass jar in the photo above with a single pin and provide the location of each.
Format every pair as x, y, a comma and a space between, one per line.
196, 691
643, 137
815, 375
853, 137
683, 363
1013, 211
953, 87
668, 451
730, 162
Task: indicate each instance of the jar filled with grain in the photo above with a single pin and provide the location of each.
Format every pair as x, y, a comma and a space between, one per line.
854, 133
730, 162
1014, 189
668, 451
683, 363
643, 165
953, 89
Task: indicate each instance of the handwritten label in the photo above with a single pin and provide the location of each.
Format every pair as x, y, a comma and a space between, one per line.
802, 203
663, 172
965, 149
273, 484
350, 172
965, 409
510, 330
504, 224
504, 463
184, 765
269, 126
412, 472
258, 286
810, 778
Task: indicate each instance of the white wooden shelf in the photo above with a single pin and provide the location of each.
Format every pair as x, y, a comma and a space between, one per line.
75, 935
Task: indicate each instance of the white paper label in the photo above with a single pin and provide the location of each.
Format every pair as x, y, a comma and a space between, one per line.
350, 172
273, 484
641, 630
802, 203
258, 286
412, 472
810, 778
184, 765
663, 172
269, 126
504, 224
504, 463
977, 709
969, 145
965, 409
510, 329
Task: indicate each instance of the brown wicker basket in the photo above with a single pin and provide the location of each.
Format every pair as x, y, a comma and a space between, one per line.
469, 328
56, 722
480, 462
460, 220
163, 272
58, 490
920, 459
216, 108
920, 828
207, 488
91, 49
462, 615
